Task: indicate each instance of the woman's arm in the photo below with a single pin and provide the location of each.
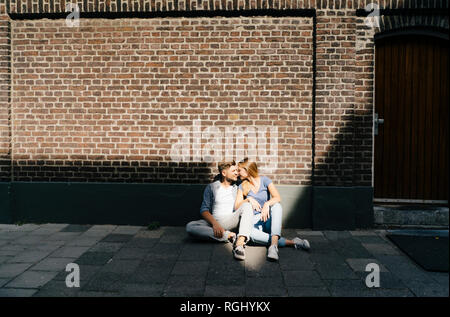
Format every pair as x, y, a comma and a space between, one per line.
274, 194
239, 199
275, 198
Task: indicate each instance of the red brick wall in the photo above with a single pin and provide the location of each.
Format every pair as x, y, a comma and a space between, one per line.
99, 102
335, 98
5, 163
364, 100
111, 92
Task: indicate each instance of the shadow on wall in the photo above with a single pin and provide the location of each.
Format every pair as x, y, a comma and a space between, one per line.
336, 201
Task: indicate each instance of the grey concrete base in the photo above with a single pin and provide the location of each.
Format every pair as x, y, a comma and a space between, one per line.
342, 208
5, 208
411, 216
322, 208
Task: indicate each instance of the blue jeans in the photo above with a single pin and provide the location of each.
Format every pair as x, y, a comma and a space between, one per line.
262, 232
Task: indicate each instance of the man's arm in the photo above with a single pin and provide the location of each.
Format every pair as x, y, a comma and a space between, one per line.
208, 198
206, 214
218, 229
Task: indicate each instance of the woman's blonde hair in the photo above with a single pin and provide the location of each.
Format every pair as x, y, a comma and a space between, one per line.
252, 170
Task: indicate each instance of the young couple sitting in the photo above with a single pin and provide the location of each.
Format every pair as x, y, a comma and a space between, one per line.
253, 207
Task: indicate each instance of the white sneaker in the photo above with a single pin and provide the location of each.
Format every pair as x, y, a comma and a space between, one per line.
301, 243
272, 253
233, 237
239, 252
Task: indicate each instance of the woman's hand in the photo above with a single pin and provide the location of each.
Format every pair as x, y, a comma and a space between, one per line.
265, 212
256, 206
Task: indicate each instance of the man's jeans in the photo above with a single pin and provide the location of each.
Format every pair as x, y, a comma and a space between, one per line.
262, 232
203, 230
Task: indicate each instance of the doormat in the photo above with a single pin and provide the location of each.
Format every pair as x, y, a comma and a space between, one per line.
428, 248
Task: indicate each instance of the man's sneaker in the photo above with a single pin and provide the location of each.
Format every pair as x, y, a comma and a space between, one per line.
301, 243
272, 253
239, 252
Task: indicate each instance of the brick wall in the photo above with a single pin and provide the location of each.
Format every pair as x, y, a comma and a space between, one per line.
101, 102
5, 141
364, 100
111, 93
335, 98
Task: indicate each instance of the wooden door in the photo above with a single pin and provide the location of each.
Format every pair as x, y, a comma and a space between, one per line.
411, 96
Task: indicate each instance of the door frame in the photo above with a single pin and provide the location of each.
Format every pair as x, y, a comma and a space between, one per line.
428, 31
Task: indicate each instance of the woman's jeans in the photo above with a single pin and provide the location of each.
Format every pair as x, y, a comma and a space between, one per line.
262, 232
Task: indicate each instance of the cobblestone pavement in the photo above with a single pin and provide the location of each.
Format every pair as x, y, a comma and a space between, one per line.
133, 261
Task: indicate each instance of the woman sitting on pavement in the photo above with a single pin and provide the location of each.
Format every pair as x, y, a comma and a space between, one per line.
265, 200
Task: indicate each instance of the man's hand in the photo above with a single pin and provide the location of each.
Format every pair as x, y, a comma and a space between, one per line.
218, 230
265, 212
256, 206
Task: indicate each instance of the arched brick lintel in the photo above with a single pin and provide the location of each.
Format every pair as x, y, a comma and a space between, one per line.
432, 25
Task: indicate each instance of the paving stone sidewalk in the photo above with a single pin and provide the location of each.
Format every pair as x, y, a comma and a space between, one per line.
134, 261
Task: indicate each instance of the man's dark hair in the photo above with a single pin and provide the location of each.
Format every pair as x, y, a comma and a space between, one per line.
223, 166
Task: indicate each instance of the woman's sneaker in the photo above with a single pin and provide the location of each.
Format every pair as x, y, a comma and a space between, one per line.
272, 253
231, 239
239, 252
301, 243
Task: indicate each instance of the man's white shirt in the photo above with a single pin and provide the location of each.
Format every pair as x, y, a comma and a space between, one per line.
223, 202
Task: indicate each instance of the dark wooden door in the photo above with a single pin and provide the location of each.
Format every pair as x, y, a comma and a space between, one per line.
411, 95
